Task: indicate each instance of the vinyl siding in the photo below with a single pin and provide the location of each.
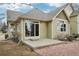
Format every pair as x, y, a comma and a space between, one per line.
78, 24
60, 17
43, 30
56, 32
50, 29
73, 25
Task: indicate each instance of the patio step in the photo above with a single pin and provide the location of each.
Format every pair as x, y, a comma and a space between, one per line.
50, 45
33, 47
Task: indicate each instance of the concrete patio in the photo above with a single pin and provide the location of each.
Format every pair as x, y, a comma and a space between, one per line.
42, 43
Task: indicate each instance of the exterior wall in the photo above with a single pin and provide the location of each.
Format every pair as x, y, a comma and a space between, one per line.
62, 16
50, 29
18, 26
9, 26
73, 25
78, 24
68, 10
43, 30
18, 29
22, 29
55, 31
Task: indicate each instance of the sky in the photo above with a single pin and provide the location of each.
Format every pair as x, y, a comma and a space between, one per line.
24, 7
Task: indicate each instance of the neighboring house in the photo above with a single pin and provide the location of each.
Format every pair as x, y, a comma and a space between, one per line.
39, 25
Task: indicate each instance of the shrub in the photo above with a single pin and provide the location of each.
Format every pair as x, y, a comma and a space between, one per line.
16, 36
75, 35
70, 38
66, 37
6, 36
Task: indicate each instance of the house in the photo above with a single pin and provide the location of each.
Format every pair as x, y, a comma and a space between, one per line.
74, 23
39, 25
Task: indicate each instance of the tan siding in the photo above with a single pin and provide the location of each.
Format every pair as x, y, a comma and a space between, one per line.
55, 31
78, 24
22, 29
49, 29
62, 16
18, 27
43, 30
9, 28
73, 25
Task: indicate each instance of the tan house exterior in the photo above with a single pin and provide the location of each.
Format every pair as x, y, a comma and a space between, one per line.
44, 25
74, 22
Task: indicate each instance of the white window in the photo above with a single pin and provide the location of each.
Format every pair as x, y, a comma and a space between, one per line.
31, 28
61, 26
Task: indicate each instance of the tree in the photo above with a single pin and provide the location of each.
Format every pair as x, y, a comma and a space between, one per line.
4, 28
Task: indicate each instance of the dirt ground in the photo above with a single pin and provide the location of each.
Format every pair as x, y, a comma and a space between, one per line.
68, 49
8, 48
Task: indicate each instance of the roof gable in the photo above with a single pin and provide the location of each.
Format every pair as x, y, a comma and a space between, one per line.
53, 14
62, 15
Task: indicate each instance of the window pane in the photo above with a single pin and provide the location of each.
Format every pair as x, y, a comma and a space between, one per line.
32, 30
27, 32
37, 29
61, 29
64, 27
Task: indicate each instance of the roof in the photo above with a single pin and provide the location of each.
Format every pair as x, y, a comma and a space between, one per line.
35, 14
75, 13
13, 15
52, 14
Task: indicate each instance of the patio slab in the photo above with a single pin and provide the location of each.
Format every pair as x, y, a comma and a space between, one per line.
42, 43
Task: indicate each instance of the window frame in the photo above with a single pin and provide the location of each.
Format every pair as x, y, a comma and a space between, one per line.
34, 22
60, 25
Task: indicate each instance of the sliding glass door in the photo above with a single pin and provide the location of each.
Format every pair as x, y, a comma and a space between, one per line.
31, 29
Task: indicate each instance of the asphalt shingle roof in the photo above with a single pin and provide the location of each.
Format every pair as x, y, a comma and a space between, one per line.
34, 14
13, 15
75, 13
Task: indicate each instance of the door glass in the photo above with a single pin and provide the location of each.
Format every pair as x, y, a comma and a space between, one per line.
37, 30
32, 30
